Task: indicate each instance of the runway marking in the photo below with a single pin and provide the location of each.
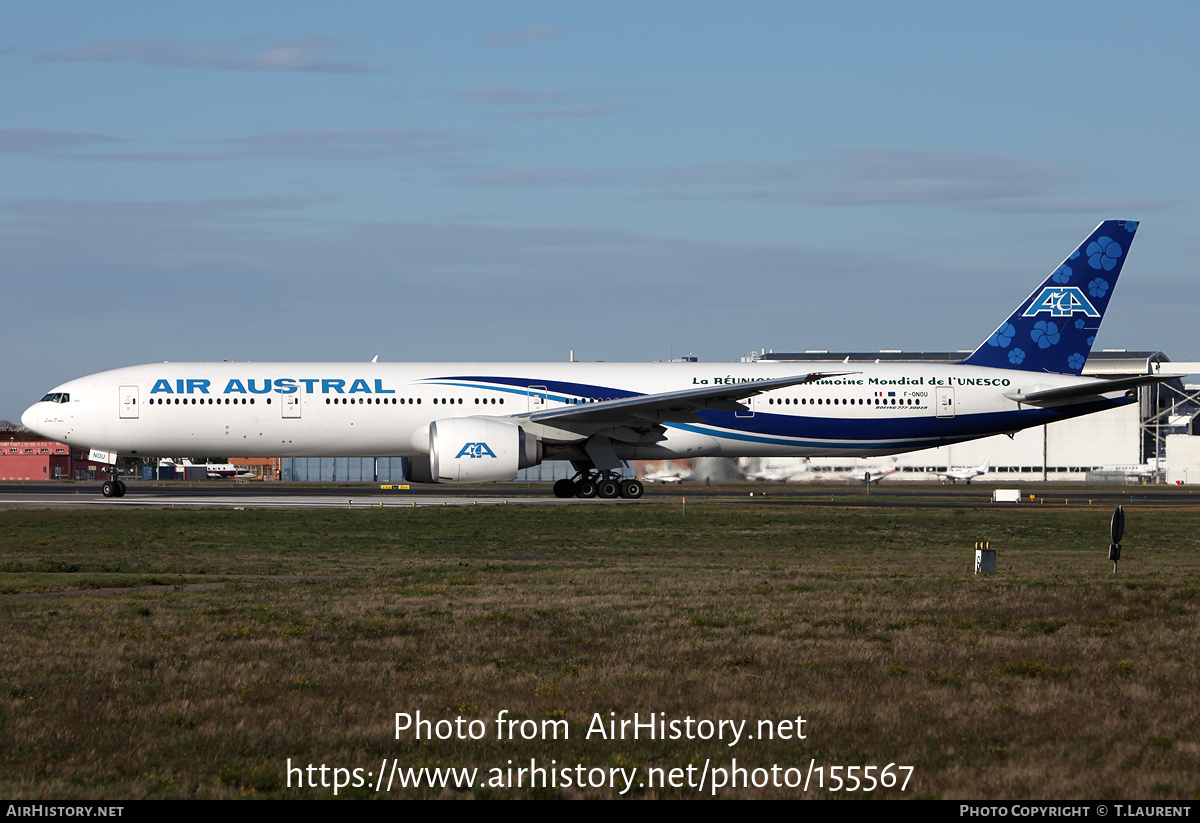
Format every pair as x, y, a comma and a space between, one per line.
277, 502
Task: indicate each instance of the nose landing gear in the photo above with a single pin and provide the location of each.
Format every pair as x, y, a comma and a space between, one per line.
113, 488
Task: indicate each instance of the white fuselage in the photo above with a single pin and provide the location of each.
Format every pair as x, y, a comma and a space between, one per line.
385, 409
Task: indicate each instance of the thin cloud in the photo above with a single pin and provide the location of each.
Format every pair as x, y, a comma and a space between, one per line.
548, 176
506, 96
45, 213
885, 176
554, 114
355, 144
848, 177
319, 144
964, 180
731, 174
712, 174
522, 37
1079, 205
496, 95
42, 141
306, 54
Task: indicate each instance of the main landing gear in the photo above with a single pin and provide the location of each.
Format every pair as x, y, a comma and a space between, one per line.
113, 488
599, 484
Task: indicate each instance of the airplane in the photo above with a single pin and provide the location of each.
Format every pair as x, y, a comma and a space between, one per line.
481, 422
776, 470
666, 472
213, 470
954, 475
1140, 470
872, 475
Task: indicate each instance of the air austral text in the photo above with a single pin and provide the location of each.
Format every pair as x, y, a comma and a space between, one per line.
278, 385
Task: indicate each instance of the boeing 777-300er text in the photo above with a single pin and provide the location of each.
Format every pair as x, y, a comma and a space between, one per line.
479, 422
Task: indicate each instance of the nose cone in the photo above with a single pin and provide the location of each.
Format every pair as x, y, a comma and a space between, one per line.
29, 417
45, 419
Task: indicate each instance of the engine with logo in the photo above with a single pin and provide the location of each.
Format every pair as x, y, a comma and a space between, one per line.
474, 450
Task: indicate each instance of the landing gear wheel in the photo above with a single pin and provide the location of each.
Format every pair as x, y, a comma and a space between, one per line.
109, 489
120, 488
564, 488
586, 488
632, 489
608, 488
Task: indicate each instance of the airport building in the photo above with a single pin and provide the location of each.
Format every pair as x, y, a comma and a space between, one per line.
264, 468
46, 460
389, 470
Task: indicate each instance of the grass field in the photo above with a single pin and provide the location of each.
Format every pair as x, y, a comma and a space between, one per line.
1049, 679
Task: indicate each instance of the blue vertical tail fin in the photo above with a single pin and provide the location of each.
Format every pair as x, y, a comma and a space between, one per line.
1054, 328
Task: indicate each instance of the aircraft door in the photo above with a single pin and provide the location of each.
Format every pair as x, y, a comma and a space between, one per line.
129, 402
945, 401
537, 398
291, 404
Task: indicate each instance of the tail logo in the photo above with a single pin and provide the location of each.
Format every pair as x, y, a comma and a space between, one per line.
1061, 301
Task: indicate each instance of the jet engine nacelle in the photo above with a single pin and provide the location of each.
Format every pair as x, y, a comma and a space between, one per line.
474, 450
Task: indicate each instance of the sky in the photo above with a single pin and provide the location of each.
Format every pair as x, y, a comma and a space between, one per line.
627, 181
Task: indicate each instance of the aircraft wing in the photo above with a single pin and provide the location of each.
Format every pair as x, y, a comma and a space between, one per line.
1096, 389
678, 406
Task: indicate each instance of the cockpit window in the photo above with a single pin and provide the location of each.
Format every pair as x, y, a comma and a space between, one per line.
57, 397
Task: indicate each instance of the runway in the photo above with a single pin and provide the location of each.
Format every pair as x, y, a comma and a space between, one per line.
216, 494
367, 497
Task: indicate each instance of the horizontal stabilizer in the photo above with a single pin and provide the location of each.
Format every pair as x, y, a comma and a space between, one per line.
1088, 389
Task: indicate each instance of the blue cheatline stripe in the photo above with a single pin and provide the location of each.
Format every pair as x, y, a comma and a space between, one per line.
521, 386
519, 391
906, 430
486, 387
543, 389
766, 427
727, 434
916, 427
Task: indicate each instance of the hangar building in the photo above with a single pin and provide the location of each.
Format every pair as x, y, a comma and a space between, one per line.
46, 460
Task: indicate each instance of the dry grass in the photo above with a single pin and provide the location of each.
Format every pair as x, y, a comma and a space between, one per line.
1050, 679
